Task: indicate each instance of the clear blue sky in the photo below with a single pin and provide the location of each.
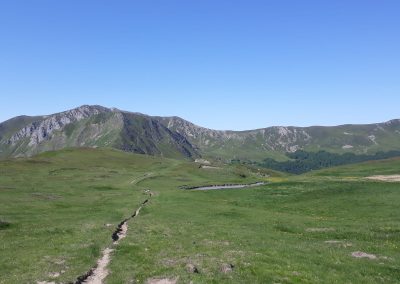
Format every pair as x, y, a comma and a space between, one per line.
222, 64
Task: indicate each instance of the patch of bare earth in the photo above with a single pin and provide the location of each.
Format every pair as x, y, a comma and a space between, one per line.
387, 178
100, 272
56, 274
191, 268
319, 230
226, 268
210, 167
162, 281
339, 243
122, 233
360, 254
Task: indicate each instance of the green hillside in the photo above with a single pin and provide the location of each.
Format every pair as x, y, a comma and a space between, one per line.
59, 210
370, 168
276, 142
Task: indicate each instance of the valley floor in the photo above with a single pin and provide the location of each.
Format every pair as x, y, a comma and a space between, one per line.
60, 209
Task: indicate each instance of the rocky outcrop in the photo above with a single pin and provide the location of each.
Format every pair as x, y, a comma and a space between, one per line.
95, 126
42, 130
287, 139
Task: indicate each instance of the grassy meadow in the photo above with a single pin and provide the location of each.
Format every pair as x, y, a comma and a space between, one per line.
59, 209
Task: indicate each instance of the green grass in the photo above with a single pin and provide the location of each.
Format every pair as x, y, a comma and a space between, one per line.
55, 205
380, 167
265, 233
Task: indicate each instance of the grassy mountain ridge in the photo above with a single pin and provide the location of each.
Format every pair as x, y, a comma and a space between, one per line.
174, 137
274, 142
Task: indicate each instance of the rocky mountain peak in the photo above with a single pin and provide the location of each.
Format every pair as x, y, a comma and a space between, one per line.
41, 130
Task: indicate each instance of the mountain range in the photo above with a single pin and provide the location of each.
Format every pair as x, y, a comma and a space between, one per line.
174, 137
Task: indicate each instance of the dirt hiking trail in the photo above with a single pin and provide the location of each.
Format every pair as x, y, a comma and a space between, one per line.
97, 274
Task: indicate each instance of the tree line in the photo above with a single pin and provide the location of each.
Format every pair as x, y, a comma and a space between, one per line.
303, 161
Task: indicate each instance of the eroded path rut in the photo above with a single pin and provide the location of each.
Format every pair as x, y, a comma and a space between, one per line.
97, 274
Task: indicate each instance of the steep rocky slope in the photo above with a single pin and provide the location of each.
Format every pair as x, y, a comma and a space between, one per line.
91, 126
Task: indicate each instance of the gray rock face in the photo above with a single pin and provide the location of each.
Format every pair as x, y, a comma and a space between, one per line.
286, 139
43, 130
274, 138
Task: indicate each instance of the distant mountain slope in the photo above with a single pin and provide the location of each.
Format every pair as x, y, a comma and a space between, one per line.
275, 141
97, 126
146, 135
9, 127
91, 126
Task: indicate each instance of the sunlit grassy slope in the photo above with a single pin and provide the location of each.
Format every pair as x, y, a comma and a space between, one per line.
56, 206
380, 167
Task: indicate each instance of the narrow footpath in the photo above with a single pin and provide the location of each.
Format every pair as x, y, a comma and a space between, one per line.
97, 274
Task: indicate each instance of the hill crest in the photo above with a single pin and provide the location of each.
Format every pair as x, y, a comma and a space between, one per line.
175, 137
